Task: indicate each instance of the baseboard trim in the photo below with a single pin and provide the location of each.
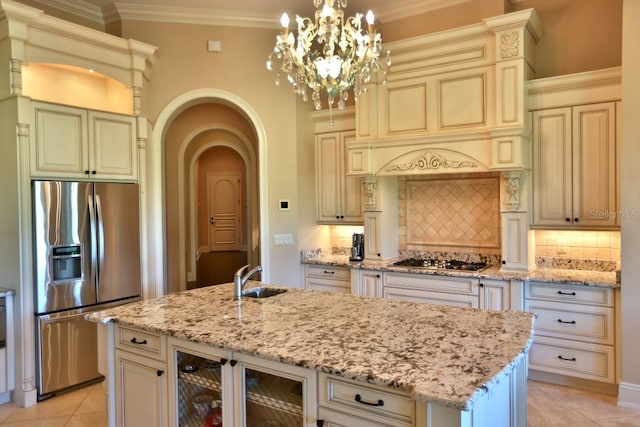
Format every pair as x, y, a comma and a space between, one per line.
629, 395
580, 383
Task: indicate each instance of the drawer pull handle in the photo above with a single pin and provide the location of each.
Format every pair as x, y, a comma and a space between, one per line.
380, 402
135, 341
572, 322
567, 293
573, 359
329, 272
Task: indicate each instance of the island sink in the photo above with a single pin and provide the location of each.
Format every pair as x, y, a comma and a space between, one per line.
262, 292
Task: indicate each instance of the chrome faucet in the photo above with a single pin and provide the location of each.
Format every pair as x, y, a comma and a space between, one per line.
239, 280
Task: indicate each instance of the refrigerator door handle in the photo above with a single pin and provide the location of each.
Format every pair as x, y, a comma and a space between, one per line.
100, 234
93, 244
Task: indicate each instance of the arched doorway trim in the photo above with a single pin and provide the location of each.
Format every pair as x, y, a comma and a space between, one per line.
153, 206
246, 151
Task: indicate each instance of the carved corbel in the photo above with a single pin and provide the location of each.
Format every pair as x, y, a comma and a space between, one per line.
369, 189
137, 100
512, 181
16, 77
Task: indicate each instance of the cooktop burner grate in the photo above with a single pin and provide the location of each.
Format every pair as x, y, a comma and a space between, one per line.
441, 264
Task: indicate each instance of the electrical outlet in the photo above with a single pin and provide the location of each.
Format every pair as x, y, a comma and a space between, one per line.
283, 239
562, 248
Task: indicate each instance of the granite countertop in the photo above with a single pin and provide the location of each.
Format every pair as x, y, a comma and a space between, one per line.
448, 355
550, 275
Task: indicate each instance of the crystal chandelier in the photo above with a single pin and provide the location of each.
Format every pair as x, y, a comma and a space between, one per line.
330, 55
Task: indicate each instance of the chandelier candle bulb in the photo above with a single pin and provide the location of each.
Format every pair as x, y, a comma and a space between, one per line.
329, 55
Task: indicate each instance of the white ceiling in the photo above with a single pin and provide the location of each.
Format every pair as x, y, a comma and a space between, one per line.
249, 12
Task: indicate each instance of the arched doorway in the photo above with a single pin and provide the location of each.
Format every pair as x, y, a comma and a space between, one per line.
220, 207
177, 244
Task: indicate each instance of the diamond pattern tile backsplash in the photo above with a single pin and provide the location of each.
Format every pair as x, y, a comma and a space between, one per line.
458, 211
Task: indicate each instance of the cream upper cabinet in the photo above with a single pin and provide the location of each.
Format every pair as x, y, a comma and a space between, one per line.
339, 196
575, 177
77, 143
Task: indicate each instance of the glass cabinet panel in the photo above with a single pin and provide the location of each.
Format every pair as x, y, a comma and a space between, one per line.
272, 400
199, 391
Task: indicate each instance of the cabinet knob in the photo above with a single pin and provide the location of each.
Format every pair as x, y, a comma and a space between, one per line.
504, 262
93, 172
233, 362
481, 285
159, 372
567, 219
378, 254
320, 423
86, 172
223, 361
576, 219
377, 276
337, 216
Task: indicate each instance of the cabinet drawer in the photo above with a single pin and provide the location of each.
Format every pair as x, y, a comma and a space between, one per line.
338, 419
573, 358
569, 293
361, 400
459, 285
573, 321
419, 295
141, 342
327, 272
328, 285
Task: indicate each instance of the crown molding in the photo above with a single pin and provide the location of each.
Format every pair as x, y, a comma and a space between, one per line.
185, 15
79, 8
404, 9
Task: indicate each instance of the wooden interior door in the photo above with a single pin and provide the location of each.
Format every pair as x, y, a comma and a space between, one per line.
224, 202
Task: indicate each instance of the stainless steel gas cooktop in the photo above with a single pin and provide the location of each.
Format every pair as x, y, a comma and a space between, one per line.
436, 264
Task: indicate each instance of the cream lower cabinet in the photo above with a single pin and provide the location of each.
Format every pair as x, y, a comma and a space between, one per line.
575, 174
77, 143
237, 389
367, 283
339, 196
141, 379
327, 278
458, 291
574, 330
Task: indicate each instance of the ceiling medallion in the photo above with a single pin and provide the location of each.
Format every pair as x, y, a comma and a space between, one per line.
329, 55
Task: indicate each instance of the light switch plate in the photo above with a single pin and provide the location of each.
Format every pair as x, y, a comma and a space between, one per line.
283, 239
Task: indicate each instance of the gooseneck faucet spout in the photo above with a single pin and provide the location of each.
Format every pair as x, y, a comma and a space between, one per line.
239, 280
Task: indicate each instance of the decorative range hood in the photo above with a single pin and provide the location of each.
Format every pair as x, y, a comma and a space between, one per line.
454, 101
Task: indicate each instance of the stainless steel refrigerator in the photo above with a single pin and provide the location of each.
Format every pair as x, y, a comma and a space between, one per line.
86, 258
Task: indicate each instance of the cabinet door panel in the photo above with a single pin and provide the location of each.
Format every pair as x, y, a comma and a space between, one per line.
113, 151
352, 194
594, 165
59, 141
328, 173
552, 166
141, 391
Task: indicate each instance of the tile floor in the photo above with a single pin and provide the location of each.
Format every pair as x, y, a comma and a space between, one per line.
549, 405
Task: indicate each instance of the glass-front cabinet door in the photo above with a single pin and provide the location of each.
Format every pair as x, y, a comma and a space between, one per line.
214, 388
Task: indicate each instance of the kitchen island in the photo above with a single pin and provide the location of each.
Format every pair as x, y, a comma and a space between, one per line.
454, 366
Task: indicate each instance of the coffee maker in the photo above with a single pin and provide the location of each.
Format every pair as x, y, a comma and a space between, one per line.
357, 248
